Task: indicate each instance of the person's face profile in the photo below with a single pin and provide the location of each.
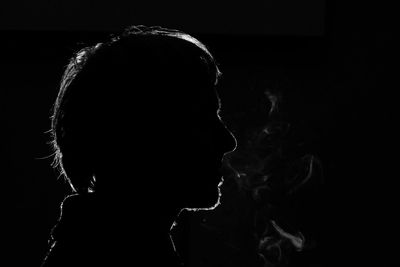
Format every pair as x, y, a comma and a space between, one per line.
138, 129
179, 154
157, 129
204, 141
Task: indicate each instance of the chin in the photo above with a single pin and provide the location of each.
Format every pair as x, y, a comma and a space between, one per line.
205, 200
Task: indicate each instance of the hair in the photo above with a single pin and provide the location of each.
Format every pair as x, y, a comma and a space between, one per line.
152, 63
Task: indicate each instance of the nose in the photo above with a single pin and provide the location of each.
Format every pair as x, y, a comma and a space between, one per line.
226, 142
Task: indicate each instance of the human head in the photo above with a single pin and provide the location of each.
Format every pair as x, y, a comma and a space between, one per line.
124, 103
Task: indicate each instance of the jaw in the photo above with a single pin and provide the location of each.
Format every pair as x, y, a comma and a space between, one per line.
206, 199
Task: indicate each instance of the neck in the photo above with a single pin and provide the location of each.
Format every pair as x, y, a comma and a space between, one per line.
140, 214
143, 228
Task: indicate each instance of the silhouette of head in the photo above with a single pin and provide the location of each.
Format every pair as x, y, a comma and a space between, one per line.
136, 119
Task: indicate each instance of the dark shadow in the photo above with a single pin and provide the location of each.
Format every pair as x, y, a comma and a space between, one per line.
137, 135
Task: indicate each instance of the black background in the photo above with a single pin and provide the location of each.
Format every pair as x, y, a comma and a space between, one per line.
339, 86
207, 16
